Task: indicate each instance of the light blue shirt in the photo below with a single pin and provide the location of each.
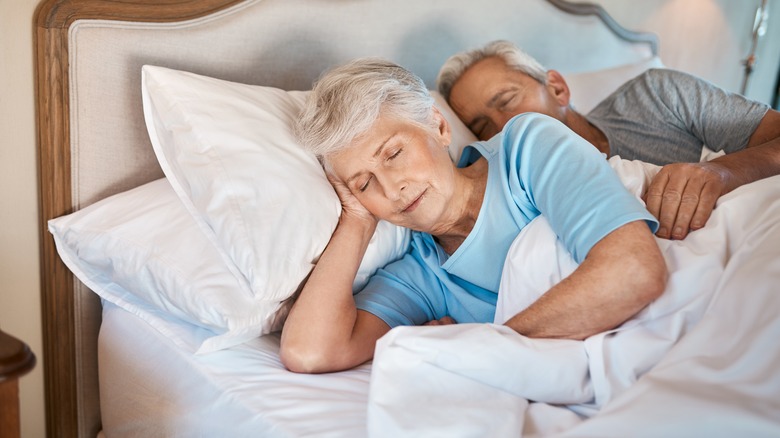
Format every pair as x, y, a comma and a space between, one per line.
535, 166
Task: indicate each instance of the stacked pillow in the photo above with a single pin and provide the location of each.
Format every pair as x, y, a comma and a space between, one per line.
227, 238
589, 88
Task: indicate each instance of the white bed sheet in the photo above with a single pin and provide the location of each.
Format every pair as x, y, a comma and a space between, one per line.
152, 388
721, 379
702, 360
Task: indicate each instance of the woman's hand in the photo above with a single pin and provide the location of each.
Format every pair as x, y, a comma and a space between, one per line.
447, 320
350, 206
324, 331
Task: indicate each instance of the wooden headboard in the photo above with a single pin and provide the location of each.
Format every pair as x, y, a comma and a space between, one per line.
91, 136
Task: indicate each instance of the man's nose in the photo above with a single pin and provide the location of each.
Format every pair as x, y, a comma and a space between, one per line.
493, 127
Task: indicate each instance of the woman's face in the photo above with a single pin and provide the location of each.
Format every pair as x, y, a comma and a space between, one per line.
401, 171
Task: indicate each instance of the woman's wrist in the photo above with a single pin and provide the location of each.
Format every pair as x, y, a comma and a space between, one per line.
366, 225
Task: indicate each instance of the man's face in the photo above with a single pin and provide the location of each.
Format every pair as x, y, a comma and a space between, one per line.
489, 93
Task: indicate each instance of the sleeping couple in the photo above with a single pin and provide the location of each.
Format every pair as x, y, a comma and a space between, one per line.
384, 147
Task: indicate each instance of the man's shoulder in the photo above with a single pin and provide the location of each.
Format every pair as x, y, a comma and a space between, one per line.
651, 79
647, 88
661, 76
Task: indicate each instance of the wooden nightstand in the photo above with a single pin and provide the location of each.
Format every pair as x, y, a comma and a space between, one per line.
16, 360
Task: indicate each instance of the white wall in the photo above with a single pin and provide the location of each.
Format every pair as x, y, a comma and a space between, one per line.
708, 38
704, 37
20, 313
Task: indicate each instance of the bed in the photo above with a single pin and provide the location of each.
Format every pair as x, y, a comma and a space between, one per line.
155, 371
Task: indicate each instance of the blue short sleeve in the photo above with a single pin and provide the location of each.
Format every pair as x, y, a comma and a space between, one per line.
415, 290
568, 181
394, 293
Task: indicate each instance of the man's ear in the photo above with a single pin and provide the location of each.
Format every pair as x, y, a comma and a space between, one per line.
443, 126
558, 87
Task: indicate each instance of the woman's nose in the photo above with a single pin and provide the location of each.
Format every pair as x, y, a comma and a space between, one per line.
394, 184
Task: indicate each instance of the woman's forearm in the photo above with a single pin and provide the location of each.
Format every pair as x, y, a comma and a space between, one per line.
622, 274
322, 320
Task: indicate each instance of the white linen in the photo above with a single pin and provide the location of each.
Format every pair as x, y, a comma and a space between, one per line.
589, 88
151, 388
725, 276
721, 379
229, 152
142, 251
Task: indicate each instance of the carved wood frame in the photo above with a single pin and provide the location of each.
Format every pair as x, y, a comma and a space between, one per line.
52, 21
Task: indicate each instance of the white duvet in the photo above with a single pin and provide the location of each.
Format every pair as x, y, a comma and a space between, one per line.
703, 359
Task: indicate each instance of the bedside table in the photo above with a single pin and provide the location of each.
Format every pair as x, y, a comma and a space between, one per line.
16, 360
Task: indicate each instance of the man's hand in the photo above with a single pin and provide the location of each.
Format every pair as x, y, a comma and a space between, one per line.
683, 195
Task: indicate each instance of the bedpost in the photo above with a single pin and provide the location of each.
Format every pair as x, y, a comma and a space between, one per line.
57, 287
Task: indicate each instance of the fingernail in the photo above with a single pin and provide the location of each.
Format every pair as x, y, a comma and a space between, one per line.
678, 232
662, 231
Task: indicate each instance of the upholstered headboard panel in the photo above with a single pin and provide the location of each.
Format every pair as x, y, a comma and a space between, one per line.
287, 44
92, 138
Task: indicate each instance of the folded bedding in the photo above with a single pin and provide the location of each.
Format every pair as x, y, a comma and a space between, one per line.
703, 352
150, 387
158, 251
733, 259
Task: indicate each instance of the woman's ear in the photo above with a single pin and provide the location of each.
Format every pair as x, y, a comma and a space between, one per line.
442, 126
558, 88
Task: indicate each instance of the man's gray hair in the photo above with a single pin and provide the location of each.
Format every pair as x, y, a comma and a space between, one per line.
513, 57
347, 100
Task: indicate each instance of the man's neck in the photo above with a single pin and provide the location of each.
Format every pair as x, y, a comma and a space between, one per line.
579, 124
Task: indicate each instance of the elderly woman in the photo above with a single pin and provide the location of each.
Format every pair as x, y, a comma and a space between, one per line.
384, 148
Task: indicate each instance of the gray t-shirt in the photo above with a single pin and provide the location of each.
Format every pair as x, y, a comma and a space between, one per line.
665, 116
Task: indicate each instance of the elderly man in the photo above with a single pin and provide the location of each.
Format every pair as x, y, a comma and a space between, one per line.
662, 117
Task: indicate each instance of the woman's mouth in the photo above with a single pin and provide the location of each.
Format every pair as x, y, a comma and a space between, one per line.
414, 204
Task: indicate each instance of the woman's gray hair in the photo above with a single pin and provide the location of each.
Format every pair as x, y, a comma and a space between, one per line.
347, 100
513, 57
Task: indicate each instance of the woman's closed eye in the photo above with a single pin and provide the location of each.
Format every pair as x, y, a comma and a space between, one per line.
395, 154
363, 187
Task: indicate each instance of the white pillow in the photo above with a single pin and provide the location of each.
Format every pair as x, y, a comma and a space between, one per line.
229, 152
590, 88
142, 251
461, 135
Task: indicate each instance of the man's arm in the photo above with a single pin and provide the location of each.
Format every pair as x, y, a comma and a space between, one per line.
683, 195
621, 274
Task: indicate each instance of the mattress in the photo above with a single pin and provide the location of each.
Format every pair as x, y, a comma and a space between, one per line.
151, 387
720, 379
